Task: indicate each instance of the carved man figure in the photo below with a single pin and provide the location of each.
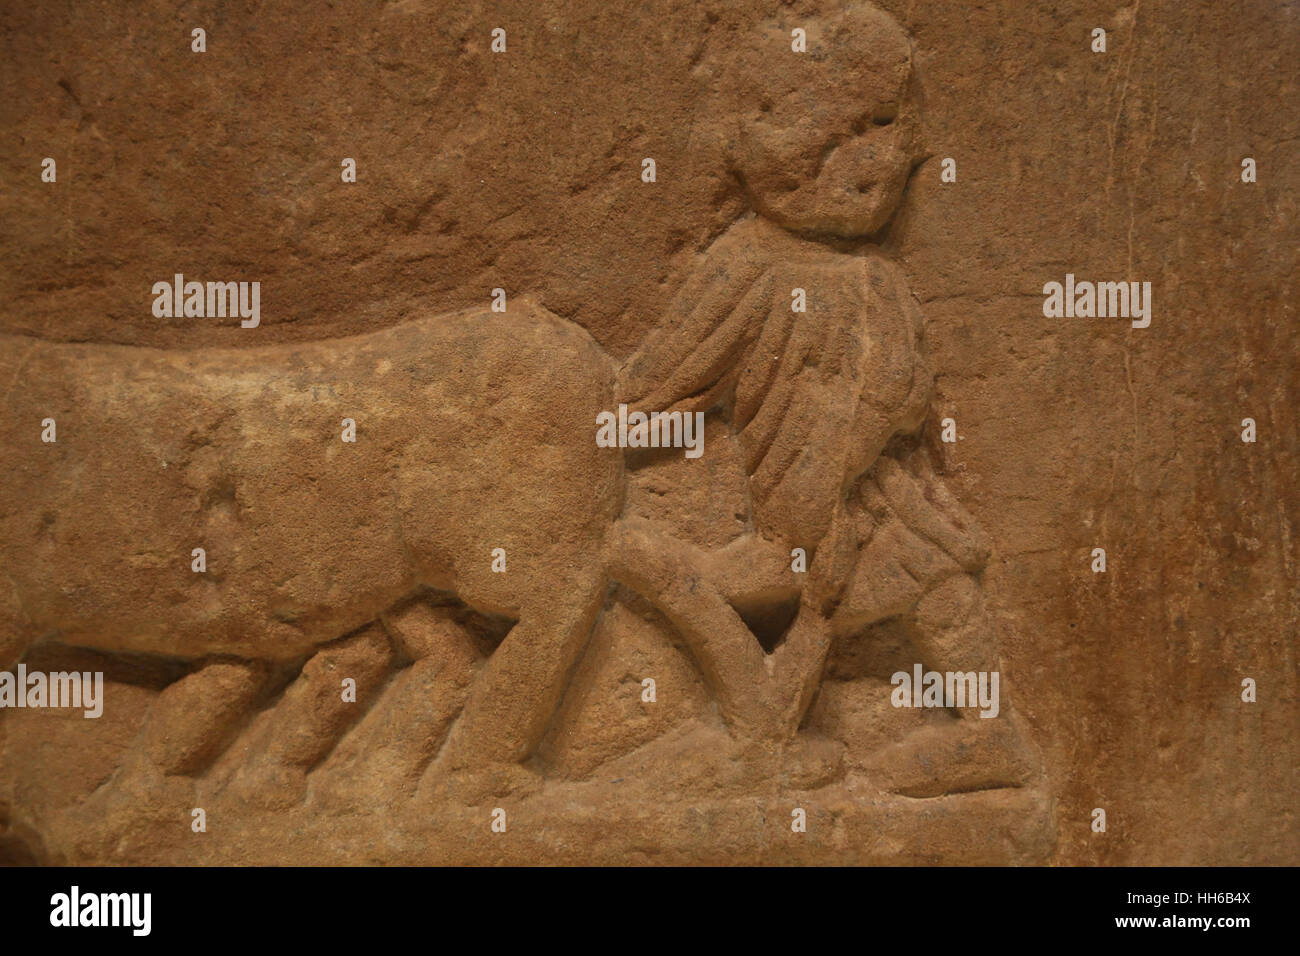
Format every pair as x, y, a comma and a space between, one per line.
813, 398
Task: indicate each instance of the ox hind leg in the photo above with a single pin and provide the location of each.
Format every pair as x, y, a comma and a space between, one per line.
515, 695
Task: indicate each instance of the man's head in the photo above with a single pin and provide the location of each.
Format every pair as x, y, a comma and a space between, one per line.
824, 140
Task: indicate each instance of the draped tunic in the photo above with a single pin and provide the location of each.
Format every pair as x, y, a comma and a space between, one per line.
812, 396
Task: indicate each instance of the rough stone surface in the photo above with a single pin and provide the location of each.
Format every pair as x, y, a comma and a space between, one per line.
358, 677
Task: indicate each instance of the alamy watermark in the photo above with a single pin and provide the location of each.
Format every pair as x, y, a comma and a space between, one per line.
75, 908
1087, 300
950, 689
655, 430
210, 300
73, 689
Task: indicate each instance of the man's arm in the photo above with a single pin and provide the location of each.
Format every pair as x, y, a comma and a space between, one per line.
704, 331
